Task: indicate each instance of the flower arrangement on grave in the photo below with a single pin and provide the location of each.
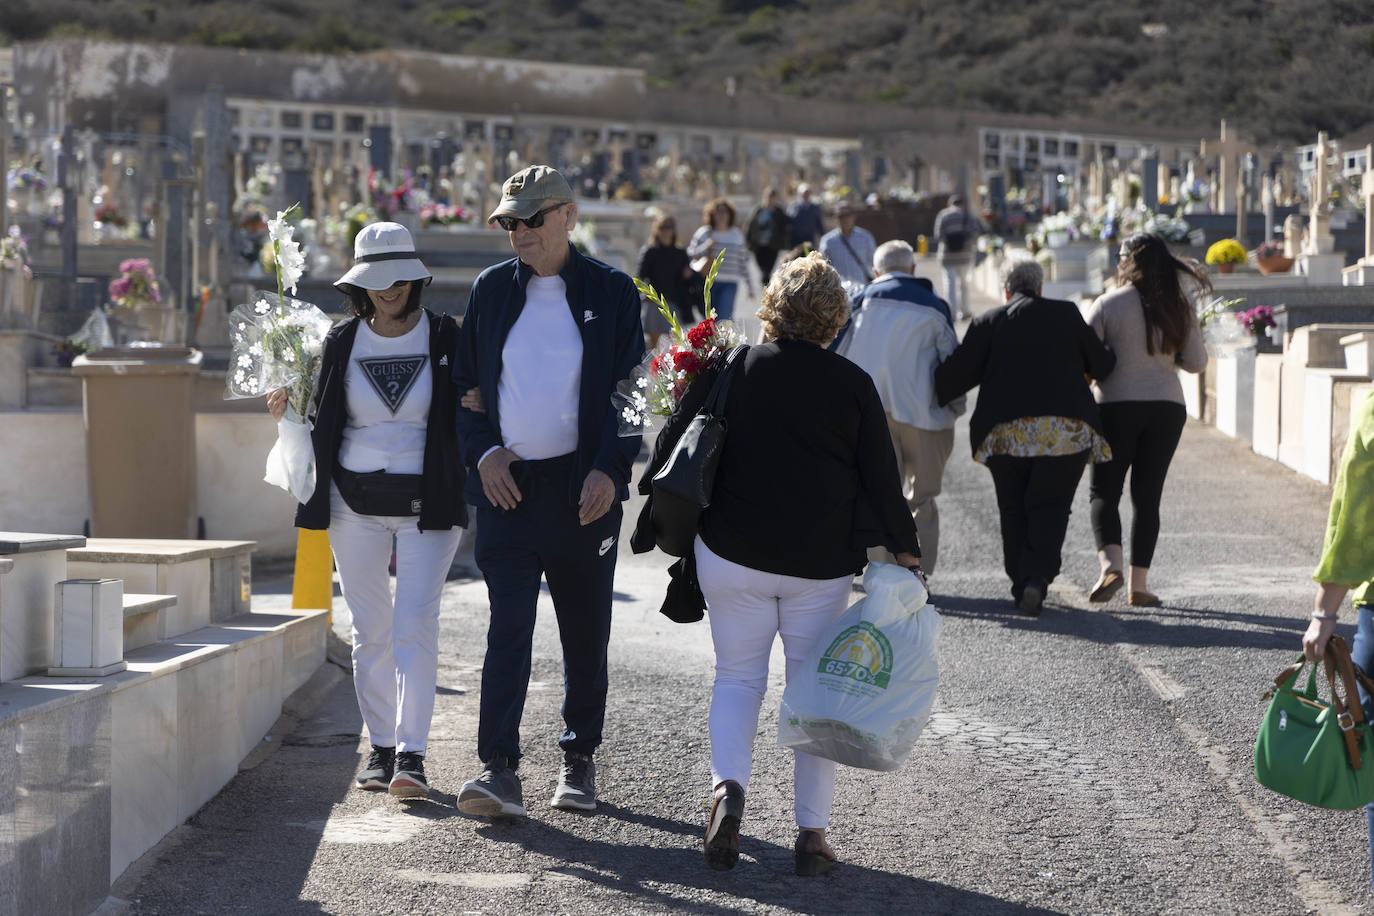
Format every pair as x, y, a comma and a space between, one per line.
66, 350
26, 178
387, 200
656, 385
441, 214
14, 251
1227, 251
1215, 320
1269, 248
1256, 320
109, 215
136, 286
276, 341
1170, 228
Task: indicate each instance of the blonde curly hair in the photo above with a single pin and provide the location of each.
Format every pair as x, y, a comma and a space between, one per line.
805, 300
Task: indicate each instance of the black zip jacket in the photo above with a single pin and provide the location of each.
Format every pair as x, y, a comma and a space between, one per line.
443, 475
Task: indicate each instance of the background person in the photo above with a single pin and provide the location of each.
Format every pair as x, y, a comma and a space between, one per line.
664, 265
546, 336
1347, 561
802, 421
1036, 424
767, 232
1150, 323
849, 248
804, 223
956, 232
385, 403
717, 233
900, 333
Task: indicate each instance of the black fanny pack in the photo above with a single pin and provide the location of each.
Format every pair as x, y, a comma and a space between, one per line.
379, 493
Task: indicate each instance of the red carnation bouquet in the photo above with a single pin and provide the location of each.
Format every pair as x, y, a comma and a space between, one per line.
656, 385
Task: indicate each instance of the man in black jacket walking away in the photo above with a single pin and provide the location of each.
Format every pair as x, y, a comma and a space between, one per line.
545, 339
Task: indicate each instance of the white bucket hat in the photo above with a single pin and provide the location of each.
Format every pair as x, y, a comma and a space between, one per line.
383, 253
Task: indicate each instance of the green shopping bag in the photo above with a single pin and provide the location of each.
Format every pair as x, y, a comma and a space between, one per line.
1317, 752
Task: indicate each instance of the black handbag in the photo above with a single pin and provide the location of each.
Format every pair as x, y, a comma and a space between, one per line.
682, 487
683, 602
379, 493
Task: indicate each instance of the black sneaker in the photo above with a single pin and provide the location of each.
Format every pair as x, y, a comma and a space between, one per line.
576, 783
376, 773
1032, 598
409, 781
496, 793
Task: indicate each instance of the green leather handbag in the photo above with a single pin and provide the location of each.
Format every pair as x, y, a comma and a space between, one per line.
1313, 751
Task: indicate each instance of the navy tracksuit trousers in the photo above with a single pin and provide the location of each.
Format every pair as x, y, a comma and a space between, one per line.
542, 536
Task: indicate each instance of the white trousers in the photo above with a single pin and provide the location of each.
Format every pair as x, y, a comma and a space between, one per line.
747, 609
395, 643
956, 289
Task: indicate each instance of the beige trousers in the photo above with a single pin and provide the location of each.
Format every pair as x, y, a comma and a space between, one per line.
921, 458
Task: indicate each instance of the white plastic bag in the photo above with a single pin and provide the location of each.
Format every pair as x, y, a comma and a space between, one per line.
866, 691
291, 463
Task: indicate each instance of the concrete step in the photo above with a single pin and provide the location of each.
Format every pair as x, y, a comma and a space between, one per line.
141, 623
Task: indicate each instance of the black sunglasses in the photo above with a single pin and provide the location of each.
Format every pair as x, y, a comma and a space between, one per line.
509, 223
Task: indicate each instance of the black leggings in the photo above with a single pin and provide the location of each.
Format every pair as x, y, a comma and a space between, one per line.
1143, 436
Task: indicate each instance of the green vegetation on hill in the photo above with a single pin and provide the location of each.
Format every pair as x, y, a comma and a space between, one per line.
1280, 69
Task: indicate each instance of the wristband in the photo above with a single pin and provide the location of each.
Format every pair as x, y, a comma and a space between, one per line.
1316, 616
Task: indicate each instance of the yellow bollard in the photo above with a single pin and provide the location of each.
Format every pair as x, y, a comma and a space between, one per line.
922, 245
313, 586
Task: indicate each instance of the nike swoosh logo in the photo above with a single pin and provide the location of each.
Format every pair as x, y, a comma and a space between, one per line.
605, 546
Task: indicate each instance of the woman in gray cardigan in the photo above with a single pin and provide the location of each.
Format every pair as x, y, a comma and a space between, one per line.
1150, 323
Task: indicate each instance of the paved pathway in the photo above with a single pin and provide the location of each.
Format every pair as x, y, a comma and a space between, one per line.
1096, 760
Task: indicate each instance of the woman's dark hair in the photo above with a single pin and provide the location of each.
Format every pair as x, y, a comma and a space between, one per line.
708, 212
362, 306
1148, 265
660, 223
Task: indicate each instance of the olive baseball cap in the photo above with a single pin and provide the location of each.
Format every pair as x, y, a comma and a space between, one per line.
527, 190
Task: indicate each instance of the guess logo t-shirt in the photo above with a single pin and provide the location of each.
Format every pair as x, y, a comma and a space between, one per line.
387, 390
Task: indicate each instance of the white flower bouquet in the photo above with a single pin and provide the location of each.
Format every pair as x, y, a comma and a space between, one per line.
277, 342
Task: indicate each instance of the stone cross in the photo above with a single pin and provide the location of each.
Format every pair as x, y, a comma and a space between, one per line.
1227, 148
1319, 240
1367, 195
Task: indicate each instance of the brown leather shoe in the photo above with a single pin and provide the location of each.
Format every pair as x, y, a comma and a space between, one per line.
1107, 586
721, 845
1144, 599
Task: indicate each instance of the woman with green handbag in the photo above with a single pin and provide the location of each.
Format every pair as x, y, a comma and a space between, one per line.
1347, 560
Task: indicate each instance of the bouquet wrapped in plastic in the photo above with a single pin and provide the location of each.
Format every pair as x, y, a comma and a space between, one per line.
657, 384
277, 342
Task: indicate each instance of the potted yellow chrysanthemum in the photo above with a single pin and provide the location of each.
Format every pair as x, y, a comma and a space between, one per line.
1225, 255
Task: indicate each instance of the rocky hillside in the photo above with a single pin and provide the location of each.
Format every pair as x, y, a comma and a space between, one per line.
1281, 69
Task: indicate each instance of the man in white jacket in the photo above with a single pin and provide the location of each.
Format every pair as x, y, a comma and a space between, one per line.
900, 332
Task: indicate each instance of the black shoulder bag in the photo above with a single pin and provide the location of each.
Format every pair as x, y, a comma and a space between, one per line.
682, 487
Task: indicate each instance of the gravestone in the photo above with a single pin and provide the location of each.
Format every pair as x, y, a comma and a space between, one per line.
1361, 273
379, 149
1150, 183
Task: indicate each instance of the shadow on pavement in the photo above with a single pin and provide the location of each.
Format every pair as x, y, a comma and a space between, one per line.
1181, 627
764, 874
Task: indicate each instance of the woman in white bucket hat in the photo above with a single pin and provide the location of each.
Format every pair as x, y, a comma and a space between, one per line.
386, 456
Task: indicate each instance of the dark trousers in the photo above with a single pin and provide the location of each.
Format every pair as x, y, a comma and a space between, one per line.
765, 258
1143, 436
541, 536
1034, 498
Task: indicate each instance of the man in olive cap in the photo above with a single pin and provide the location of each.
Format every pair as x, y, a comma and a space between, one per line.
546, 337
